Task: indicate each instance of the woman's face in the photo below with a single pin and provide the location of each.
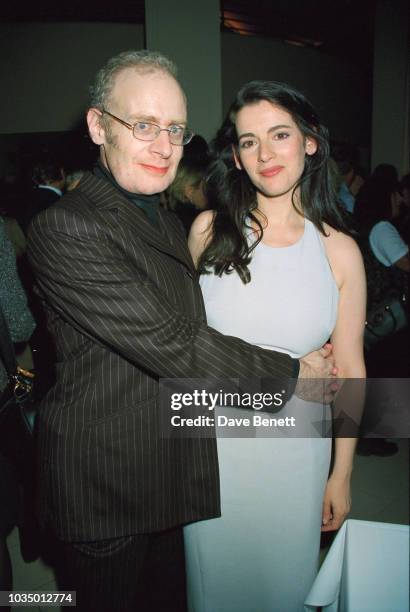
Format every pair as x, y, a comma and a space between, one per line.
271, 148
406, 197
397, 201
195, 194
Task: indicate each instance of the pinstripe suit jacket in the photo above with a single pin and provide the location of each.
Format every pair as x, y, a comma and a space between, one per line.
125, 309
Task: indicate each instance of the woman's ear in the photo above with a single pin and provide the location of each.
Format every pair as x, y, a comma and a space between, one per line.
95, 127
310, 145
236, 158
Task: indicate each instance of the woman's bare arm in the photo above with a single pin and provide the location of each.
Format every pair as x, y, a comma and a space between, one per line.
200, 234
347, 340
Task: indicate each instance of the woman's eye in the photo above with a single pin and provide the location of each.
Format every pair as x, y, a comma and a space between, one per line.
281, 135
246, 144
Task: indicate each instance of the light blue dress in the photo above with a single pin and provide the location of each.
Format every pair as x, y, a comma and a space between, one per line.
262, 554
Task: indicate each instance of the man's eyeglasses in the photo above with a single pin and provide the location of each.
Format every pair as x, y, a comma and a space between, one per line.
144, 130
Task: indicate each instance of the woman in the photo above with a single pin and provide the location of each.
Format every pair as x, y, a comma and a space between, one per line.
380, 206
386, 258
13, 304
278, 271
404, 218
379, 213
186, 194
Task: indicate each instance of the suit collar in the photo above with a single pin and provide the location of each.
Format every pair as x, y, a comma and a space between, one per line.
167, 239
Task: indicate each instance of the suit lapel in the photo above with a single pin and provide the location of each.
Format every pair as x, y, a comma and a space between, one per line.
108, 200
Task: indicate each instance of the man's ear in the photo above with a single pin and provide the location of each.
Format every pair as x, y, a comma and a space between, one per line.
95, 127
236, 158
310, 146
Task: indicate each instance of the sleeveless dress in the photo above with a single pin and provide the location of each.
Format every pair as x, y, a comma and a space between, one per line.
261, 555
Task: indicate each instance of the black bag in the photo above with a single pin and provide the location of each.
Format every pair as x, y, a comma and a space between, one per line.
17, 408
384, 320
387, 290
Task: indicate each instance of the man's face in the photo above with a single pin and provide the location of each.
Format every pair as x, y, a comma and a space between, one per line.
139, 166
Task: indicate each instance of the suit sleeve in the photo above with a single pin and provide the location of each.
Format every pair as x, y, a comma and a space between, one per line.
92, 285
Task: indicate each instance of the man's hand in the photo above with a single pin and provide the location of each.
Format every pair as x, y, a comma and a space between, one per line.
319, 364
316, 382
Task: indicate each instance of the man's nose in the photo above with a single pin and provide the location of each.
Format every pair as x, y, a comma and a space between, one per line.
162, 144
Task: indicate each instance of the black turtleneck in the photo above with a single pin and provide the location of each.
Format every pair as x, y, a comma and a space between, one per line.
149, 204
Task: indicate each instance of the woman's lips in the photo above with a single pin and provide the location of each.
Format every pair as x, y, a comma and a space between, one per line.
161, 170
271, 171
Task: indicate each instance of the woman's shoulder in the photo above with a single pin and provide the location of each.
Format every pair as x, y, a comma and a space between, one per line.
203, 222
344, 254
200, 234
340, 241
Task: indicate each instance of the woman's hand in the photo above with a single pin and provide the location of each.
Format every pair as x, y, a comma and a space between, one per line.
336, 502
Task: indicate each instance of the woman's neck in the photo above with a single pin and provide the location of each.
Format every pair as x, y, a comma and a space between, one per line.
279, 211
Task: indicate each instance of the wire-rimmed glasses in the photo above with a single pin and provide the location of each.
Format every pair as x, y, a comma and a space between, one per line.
145, 130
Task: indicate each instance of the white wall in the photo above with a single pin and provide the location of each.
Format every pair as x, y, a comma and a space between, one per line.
336, 88
391, 89
46, 69
189, 33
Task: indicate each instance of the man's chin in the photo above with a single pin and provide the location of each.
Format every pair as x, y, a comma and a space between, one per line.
153, 189
147, 187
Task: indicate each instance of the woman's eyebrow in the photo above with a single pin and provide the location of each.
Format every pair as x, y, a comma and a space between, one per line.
246, 135
272, 129
279, 127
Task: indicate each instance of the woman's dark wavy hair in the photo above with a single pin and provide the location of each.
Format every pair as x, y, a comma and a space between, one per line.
234, 197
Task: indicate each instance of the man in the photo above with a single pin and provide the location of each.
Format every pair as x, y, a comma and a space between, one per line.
49, 182
126, 309
351, 181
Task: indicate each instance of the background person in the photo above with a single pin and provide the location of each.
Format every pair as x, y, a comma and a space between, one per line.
379, 210
352, 180
403, 221
20, 323
48, 179
379, 207
186, 195
73, 178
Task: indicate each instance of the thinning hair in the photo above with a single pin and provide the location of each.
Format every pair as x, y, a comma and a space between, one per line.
143, 60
